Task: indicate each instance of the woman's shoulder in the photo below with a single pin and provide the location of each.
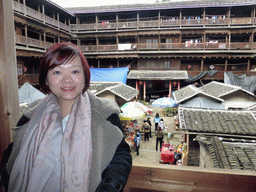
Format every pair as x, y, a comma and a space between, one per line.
103, 106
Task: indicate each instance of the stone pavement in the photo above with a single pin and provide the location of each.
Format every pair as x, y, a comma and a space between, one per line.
147, 152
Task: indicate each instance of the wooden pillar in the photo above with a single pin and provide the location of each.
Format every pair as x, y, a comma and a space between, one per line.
248, 65
97, 44
229, 41
226, 65
26, 35
98, 63
138, 20
204, 39
96, 22
137, 88
202, 65
9, 101
178, 84
58, 18
25, 10
229, 16
117, 63
170, 89
159, 19
117, 21
144, 91
77, 23
204, 16
251, 40
43, 12
138, 43
180, 17
45, 41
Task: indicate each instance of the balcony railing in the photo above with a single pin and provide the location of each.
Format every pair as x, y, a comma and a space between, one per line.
30, 42
172, 46
143, 46
163, 23
39, 16
185, 178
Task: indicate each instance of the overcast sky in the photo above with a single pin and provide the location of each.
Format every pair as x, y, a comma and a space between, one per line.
89, 3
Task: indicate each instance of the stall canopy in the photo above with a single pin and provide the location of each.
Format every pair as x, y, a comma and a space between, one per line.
28, 94
110, 74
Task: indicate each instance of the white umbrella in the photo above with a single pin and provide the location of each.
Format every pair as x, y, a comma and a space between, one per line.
131, 105
164, 102
131, 114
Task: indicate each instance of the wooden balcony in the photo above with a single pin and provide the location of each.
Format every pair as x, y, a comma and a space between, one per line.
30, 42
166, 178
172, 46
39, 16
163, 23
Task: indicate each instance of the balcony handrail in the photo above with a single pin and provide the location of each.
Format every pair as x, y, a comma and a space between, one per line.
27, 41
173, 46
187, 178
176, 21
39, 16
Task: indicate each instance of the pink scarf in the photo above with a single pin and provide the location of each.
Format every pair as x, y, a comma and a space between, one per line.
50, 160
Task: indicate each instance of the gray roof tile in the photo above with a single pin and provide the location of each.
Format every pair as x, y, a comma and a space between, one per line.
160, 5
230, 153
157, 75
217, 121
124, 91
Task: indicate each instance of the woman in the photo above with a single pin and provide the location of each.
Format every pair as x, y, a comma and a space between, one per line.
146, 129
156, 120
73, 141
159, 137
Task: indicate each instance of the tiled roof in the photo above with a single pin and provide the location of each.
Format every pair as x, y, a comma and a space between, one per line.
59, 7
185, 93
251, 108
157, 75
124, 91
230, 153
218, 89
189, 92
161, 5
217, 121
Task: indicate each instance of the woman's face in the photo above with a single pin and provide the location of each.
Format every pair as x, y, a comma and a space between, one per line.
67, 81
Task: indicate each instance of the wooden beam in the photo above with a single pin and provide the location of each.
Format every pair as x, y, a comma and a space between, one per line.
148, 177
9, 102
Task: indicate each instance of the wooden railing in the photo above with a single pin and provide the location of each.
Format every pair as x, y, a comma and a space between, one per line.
172, 46
39, 16
163, 23
166, 178
127, 25
31, 42
143, 46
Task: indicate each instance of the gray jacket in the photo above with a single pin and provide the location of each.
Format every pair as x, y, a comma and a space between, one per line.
105, 138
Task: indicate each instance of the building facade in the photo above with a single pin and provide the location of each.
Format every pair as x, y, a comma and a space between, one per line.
189, 37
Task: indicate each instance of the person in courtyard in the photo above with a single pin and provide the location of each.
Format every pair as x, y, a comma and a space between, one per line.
159, 137
150, 124
146, 129
156, 120
137, 141
161, 124
73, 140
